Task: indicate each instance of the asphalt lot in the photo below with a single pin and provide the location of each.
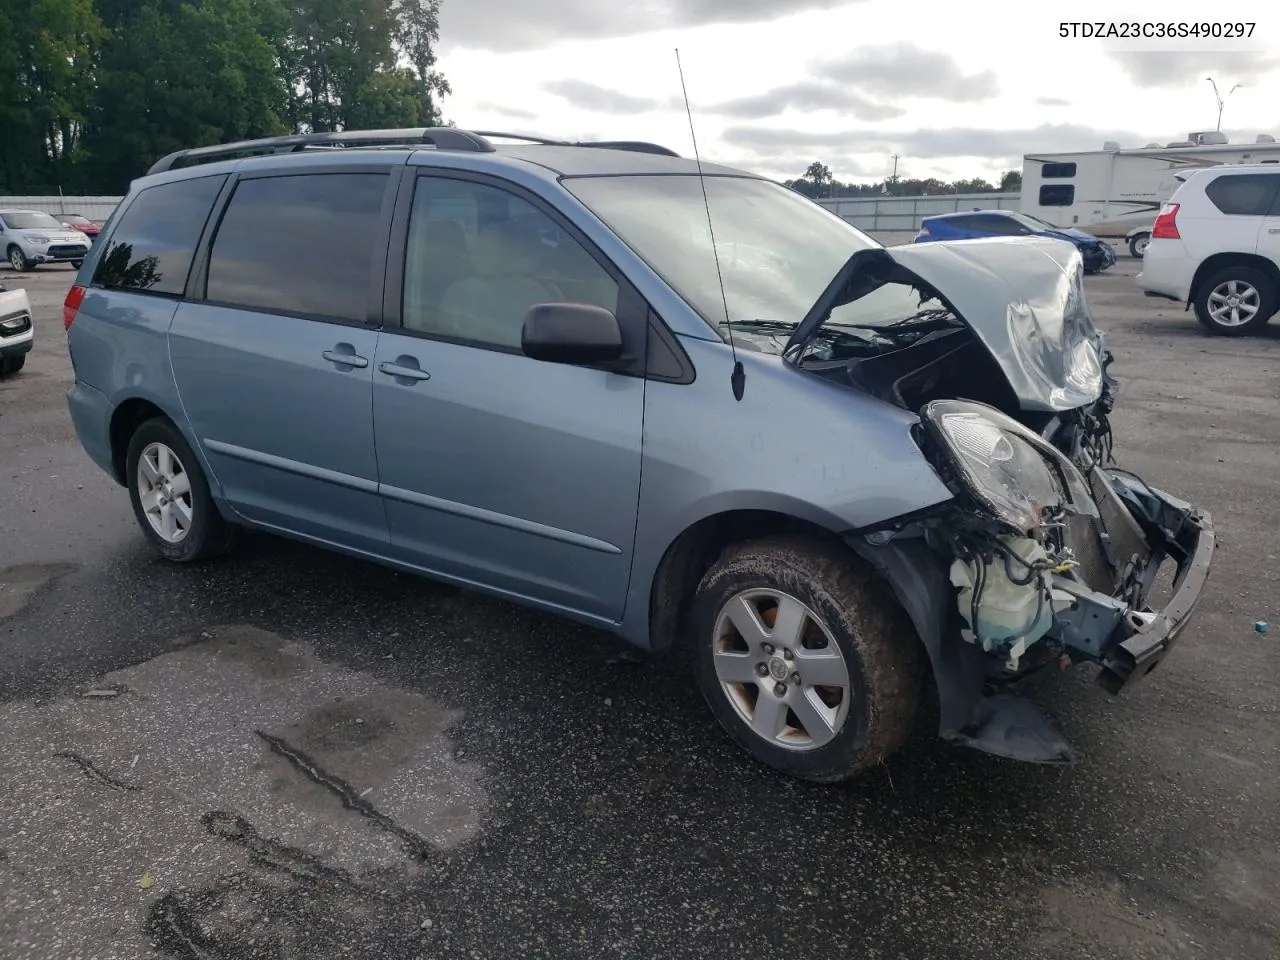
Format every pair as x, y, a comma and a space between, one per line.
310, 756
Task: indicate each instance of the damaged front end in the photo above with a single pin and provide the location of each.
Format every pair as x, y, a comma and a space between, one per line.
1048, 555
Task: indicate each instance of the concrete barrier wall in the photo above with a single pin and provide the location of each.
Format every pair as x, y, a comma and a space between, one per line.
95, 208
903, 214
861, 212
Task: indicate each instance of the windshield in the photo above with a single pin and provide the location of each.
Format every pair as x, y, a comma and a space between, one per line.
778, 251
31, 221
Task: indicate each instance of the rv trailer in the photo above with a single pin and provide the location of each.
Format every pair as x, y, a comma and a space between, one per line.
1117, 193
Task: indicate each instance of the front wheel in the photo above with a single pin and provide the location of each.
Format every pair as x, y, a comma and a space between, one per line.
1235, 301
77, 264
18, 260
170, 495
10, 365
804, 658
1138, 244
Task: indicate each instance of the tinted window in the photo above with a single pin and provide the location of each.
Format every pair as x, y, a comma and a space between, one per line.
479, 257
1002, 226
1057, 195
152, 246
1249, 195
1058, 171
300, 245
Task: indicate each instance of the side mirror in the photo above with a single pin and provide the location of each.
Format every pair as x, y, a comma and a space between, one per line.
577, 333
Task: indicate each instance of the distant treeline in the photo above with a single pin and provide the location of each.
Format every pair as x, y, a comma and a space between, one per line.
93, 91
818, 183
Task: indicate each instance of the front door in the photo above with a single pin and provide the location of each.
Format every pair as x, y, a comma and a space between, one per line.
275, 367
496, 469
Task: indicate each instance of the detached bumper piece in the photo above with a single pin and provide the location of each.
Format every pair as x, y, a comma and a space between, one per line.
1142, 640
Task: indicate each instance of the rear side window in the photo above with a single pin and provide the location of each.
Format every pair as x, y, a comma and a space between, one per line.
299, 245
1057, 195
1002, 226
152, 246
1249, 195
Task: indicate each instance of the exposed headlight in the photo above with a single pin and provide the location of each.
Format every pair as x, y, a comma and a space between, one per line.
1003, 471
35, 238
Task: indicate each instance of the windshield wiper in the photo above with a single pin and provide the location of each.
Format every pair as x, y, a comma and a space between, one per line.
923, 320
759, 324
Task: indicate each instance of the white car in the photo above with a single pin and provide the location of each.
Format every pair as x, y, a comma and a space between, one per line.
31, 237
16, 333
1216, 246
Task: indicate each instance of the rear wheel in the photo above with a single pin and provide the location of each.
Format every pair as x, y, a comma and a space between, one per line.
1235, 301
18, 260
1138, 244
170, 495
803, 658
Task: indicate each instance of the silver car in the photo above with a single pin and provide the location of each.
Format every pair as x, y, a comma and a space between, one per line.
826, 471
32, 237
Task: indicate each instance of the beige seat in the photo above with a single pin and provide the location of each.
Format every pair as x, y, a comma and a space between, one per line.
490, 304
437, 256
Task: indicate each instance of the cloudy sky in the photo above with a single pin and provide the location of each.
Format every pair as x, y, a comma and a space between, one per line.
957, 90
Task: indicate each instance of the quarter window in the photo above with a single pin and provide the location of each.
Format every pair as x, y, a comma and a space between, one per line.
1248, 195
152, 247
299, 244
479, 257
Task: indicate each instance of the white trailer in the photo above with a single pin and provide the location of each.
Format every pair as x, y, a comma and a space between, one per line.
1117, 193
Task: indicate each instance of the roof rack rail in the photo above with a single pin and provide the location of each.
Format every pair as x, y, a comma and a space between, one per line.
442, 138
635, 146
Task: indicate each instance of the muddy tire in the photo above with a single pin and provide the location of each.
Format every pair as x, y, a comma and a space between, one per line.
805, 657
1235, 301
170, 495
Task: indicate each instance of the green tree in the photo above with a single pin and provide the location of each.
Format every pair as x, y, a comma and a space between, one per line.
417, 33
1011, 181
46, 86
182, 74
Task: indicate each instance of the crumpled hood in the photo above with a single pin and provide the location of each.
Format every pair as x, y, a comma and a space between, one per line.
1024, 298
1071, 233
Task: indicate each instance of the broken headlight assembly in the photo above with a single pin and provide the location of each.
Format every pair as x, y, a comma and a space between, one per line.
991, 458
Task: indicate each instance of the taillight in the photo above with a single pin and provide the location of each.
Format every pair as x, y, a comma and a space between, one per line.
1166, 225
72, 304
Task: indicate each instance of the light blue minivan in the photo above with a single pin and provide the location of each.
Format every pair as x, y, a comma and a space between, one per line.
841, 478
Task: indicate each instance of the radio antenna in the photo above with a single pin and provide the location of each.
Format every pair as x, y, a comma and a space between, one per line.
738, 379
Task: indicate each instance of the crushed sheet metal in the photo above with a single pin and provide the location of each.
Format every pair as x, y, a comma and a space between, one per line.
1024, 298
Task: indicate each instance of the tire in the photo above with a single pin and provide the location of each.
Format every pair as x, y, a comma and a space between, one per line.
205, 534
1254, 295
841, 601
17, 259
1138, 245
10, 365
77, 264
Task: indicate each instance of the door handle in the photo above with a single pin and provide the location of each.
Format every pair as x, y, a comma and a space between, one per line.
1273, 229
404, 368
346, 358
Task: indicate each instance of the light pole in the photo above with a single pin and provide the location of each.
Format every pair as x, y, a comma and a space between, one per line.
1222, 101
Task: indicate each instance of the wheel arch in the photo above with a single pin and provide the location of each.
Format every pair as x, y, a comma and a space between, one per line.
1220, 261
131, 411
691, 553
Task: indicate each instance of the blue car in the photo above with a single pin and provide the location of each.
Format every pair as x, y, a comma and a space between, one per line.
1098, 256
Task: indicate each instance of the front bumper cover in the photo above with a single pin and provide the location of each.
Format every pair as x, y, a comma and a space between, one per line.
1126, 642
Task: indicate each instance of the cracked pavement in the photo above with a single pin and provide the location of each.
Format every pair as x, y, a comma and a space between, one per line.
287, 753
